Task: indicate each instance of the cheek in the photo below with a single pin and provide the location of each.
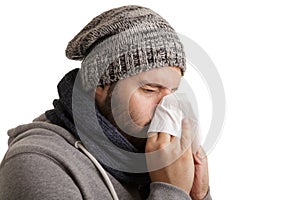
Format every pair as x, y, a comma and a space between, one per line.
141, 106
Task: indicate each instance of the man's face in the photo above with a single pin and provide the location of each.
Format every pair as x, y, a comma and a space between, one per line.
130, 103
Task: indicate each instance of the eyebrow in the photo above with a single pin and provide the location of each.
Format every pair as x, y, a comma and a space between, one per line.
144, 82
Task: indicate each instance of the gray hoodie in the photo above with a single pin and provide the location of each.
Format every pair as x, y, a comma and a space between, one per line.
42, 162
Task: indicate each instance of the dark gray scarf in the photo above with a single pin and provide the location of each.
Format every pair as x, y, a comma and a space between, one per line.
89, 129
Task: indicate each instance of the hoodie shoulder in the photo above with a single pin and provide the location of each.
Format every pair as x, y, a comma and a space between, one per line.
41, 127
42, 158
40, 136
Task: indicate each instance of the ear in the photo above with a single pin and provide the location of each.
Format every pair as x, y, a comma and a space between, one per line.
101, 93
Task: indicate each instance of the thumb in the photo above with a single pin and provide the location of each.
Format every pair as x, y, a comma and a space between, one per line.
200, 156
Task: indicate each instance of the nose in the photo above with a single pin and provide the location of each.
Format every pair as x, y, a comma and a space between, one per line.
164, 92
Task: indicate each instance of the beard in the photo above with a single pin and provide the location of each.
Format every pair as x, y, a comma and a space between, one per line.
124, 120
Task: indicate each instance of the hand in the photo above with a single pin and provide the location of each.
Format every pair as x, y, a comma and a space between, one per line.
201, 180
169, 148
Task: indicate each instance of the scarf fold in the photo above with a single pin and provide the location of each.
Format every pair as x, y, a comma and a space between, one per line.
75, 110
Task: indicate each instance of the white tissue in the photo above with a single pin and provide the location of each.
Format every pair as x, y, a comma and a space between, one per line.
169, 114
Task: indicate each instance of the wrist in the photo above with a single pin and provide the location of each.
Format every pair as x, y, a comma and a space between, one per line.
201, 195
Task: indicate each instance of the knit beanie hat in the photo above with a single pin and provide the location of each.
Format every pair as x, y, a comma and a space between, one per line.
123, 42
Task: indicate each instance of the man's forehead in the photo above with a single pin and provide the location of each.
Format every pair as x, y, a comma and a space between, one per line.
164, 76
173, 72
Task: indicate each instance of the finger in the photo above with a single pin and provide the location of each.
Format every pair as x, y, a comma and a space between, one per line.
151, 140
152, 136
174, 138
164, 137
185, 139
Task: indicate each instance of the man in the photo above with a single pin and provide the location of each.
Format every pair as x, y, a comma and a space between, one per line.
93, 144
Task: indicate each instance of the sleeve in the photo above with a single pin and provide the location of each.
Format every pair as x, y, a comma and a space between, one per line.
31, 176
165, 191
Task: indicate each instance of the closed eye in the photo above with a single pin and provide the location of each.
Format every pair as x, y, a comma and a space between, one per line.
148, 90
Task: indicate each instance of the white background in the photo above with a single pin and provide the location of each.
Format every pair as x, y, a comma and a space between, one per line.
255, 46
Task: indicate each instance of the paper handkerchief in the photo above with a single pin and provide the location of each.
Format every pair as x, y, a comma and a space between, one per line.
169, 114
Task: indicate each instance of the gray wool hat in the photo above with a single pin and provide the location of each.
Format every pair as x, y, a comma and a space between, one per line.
123, 42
